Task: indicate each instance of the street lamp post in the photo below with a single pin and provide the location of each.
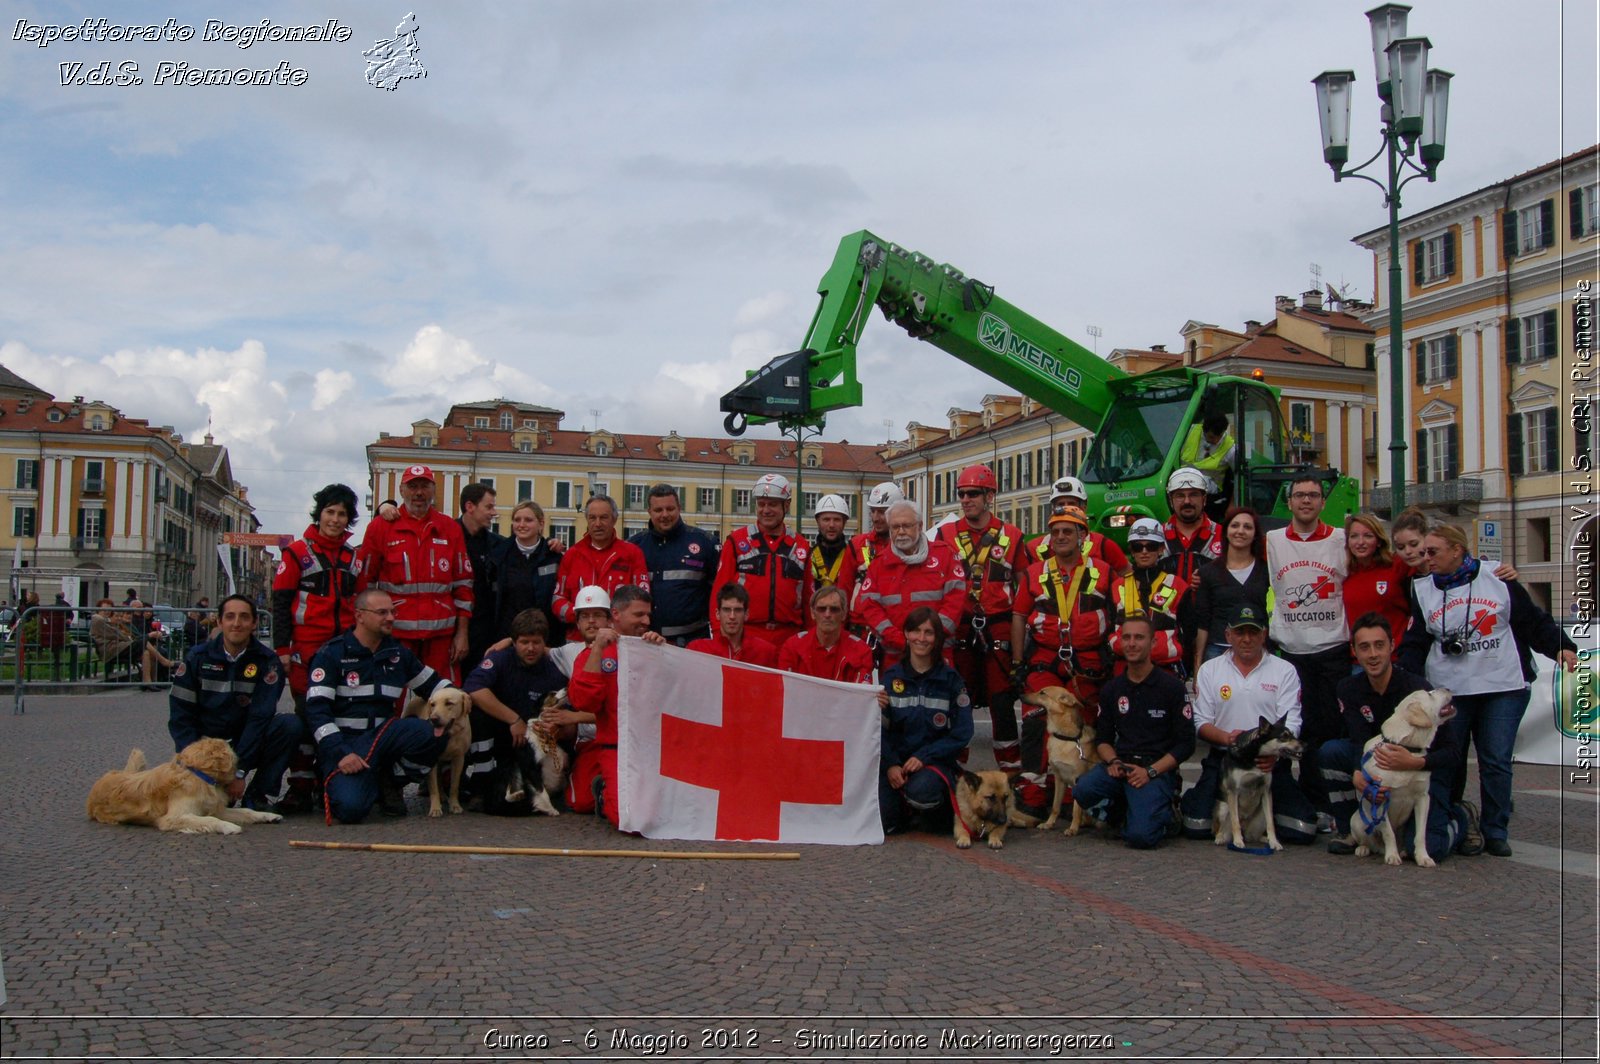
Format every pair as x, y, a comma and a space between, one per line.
1415, 106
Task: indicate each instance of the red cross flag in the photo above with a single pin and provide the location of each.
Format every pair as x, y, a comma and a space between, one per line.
714, 749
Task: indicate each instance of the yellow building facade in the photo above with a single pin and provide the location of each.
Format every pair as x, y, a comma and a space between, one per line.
1498, 303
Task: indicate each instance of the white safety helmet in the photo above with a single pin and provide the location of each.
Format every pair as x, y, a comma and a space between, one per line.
772, 486
1188, 477
1068, 486
1148, 530
593, 597
832, 504
882, 496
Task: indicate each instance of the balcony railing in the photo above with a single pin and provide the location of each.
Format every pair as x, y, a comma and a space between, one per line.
94, 485
1446, 493
86, 544
1369, 450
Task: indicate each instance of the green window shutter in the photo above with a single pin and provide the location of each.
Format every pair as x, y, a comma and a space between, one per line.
1514, 444
1451, 357
1422, 456
1372, 356
1552, 457
1449, 254
1508, 233
1416, 263
1547, 344
1513, 341
1575, 212
1419, 355
1452, 452
1547, 223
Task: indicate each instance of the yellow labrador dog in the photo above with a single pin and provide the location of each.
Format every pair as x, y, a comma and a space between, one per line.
1070, 748
188, 794
1412, 725
449, 710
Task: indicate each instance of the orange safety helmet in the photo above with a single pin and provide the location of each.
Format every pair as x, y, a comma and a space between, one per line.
977, 476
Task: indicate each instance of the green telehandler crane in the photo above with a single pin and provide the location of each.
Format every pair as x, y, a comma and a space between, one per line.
1141, 421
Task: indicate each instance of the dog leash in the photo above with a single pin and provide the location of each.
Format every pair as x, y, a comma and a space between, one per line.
327, 803
1369, 796
950, 789
202, 775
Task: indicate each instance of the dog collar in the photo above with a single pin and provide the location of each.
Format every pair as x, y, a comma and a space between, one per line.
1066, 738
1420, 751
202, 775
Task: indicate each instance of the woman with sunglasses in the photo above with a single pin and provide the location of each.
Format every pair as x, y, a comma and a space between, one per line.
1237, 578
1152, 592
1474, 634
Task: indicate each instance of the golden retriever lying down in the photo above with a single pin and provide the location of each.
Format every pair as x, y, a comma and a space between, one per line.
187, 794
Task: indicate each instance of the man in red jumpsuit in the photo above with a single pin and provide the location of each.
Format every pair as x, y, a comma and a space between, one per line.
826, 650
995, 560
599, 559
772, 563
593, 694
421, 560
733, 607
915, 571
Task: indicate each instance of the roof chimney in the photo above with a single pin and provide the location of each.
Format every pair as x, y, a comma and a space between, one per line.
1311, 299
1252, 326
1159, 347
1281, 303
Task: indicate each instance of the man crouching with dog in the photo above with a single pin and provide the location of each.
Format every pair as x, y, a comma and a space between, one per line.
1366, 700
1233, 693
228, 688
367, 752
508, 689
1146, 730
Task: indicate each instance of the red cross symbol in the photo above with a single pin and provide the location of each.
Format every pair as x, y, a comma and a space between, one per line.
748, 761
1483, 622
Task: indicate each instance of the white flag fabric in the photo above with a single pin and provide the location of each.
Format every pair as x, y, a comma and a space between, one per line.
713, 749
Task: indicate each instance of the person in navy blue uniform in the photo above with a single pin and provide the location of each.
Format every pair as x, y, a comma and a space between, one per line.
683, 563
228, 688
508, 689
927, 723
1366, 700
366, 751
1146, 730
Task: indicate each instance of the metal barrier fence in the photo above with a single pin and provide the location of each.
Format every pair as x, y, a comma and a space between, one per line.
62, 648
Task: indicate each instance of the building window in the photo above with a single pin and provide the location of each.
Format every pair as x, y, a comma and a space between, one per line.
54, 415
1300, 417
1436, 359
744, 459
813, 461
1531, 442
741, 500
1435, 258
91, 523
710, 500
562, 530
529, 423
23, 521
808, 503
524, 490
28, 474
601, 449
1531, 338
507, 421
525, 446
424, 441
94, 476
97, 423
601, 487
488, 482
1438, 454
1585, 207
1530, 229
480, 422
563, 495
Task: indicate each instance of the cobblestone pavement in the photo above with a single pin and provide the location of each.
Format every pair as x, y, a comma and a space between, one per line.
124, 942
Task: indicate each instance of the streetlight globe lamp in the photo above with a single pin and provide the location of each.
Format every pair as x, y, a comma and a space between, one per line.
1415, 106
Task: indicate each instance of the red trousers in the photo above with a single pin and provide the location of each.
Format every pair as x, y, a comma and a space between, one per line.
594, 762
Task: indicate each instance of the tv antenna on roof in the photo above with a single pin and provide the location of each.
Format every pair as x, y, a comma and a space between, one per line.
1096, 332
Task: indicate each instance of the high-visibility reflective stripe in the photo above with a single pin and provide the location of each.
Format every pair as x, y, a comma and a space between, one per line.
365, 690
441, 625
353, 723
546, 570
414, 589
682, 574
928, 596
183, 694
882, 626
953, 585
910, 700
302, 601
883, 600
424, 676
948, 623
390, 691
325, 731
1284, 820
482, 747
319, 692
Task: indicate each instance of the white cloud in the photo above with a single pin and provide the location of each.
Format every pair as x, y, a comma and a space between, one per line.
432, 357
330, 387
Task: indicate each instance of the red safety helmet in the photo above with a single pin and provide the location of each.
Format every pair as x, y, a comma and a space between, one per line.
977, 476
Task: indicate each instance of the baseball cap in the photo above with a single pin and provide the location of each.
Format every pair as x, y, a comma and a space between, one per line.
417, 472
1246, 615
1069, 515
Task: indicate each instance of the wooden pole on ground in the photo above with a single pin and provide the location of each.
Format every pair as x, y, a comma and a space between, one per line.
535, 851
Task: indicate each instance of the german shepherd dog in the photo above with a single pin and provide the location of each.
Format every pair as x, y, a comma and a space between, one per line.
540, 764
1244, 795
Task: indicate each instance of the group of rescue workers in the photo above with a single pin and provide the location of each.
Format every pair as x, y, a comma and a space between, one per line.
1160, 644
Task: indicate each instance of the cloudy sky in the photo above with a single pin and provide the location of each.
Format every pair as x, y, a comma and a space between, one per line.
621, 206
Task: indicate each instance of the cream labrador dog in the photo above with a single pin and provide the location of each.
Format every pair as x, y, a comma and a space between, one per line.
1412, 725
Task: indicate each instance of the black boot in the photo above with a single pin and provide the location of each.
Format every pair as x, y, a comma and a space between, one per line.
391, 794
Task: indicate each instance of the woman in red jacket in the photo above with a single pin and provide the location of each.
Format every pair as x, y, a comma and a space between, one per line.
1377, 580
314, 591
